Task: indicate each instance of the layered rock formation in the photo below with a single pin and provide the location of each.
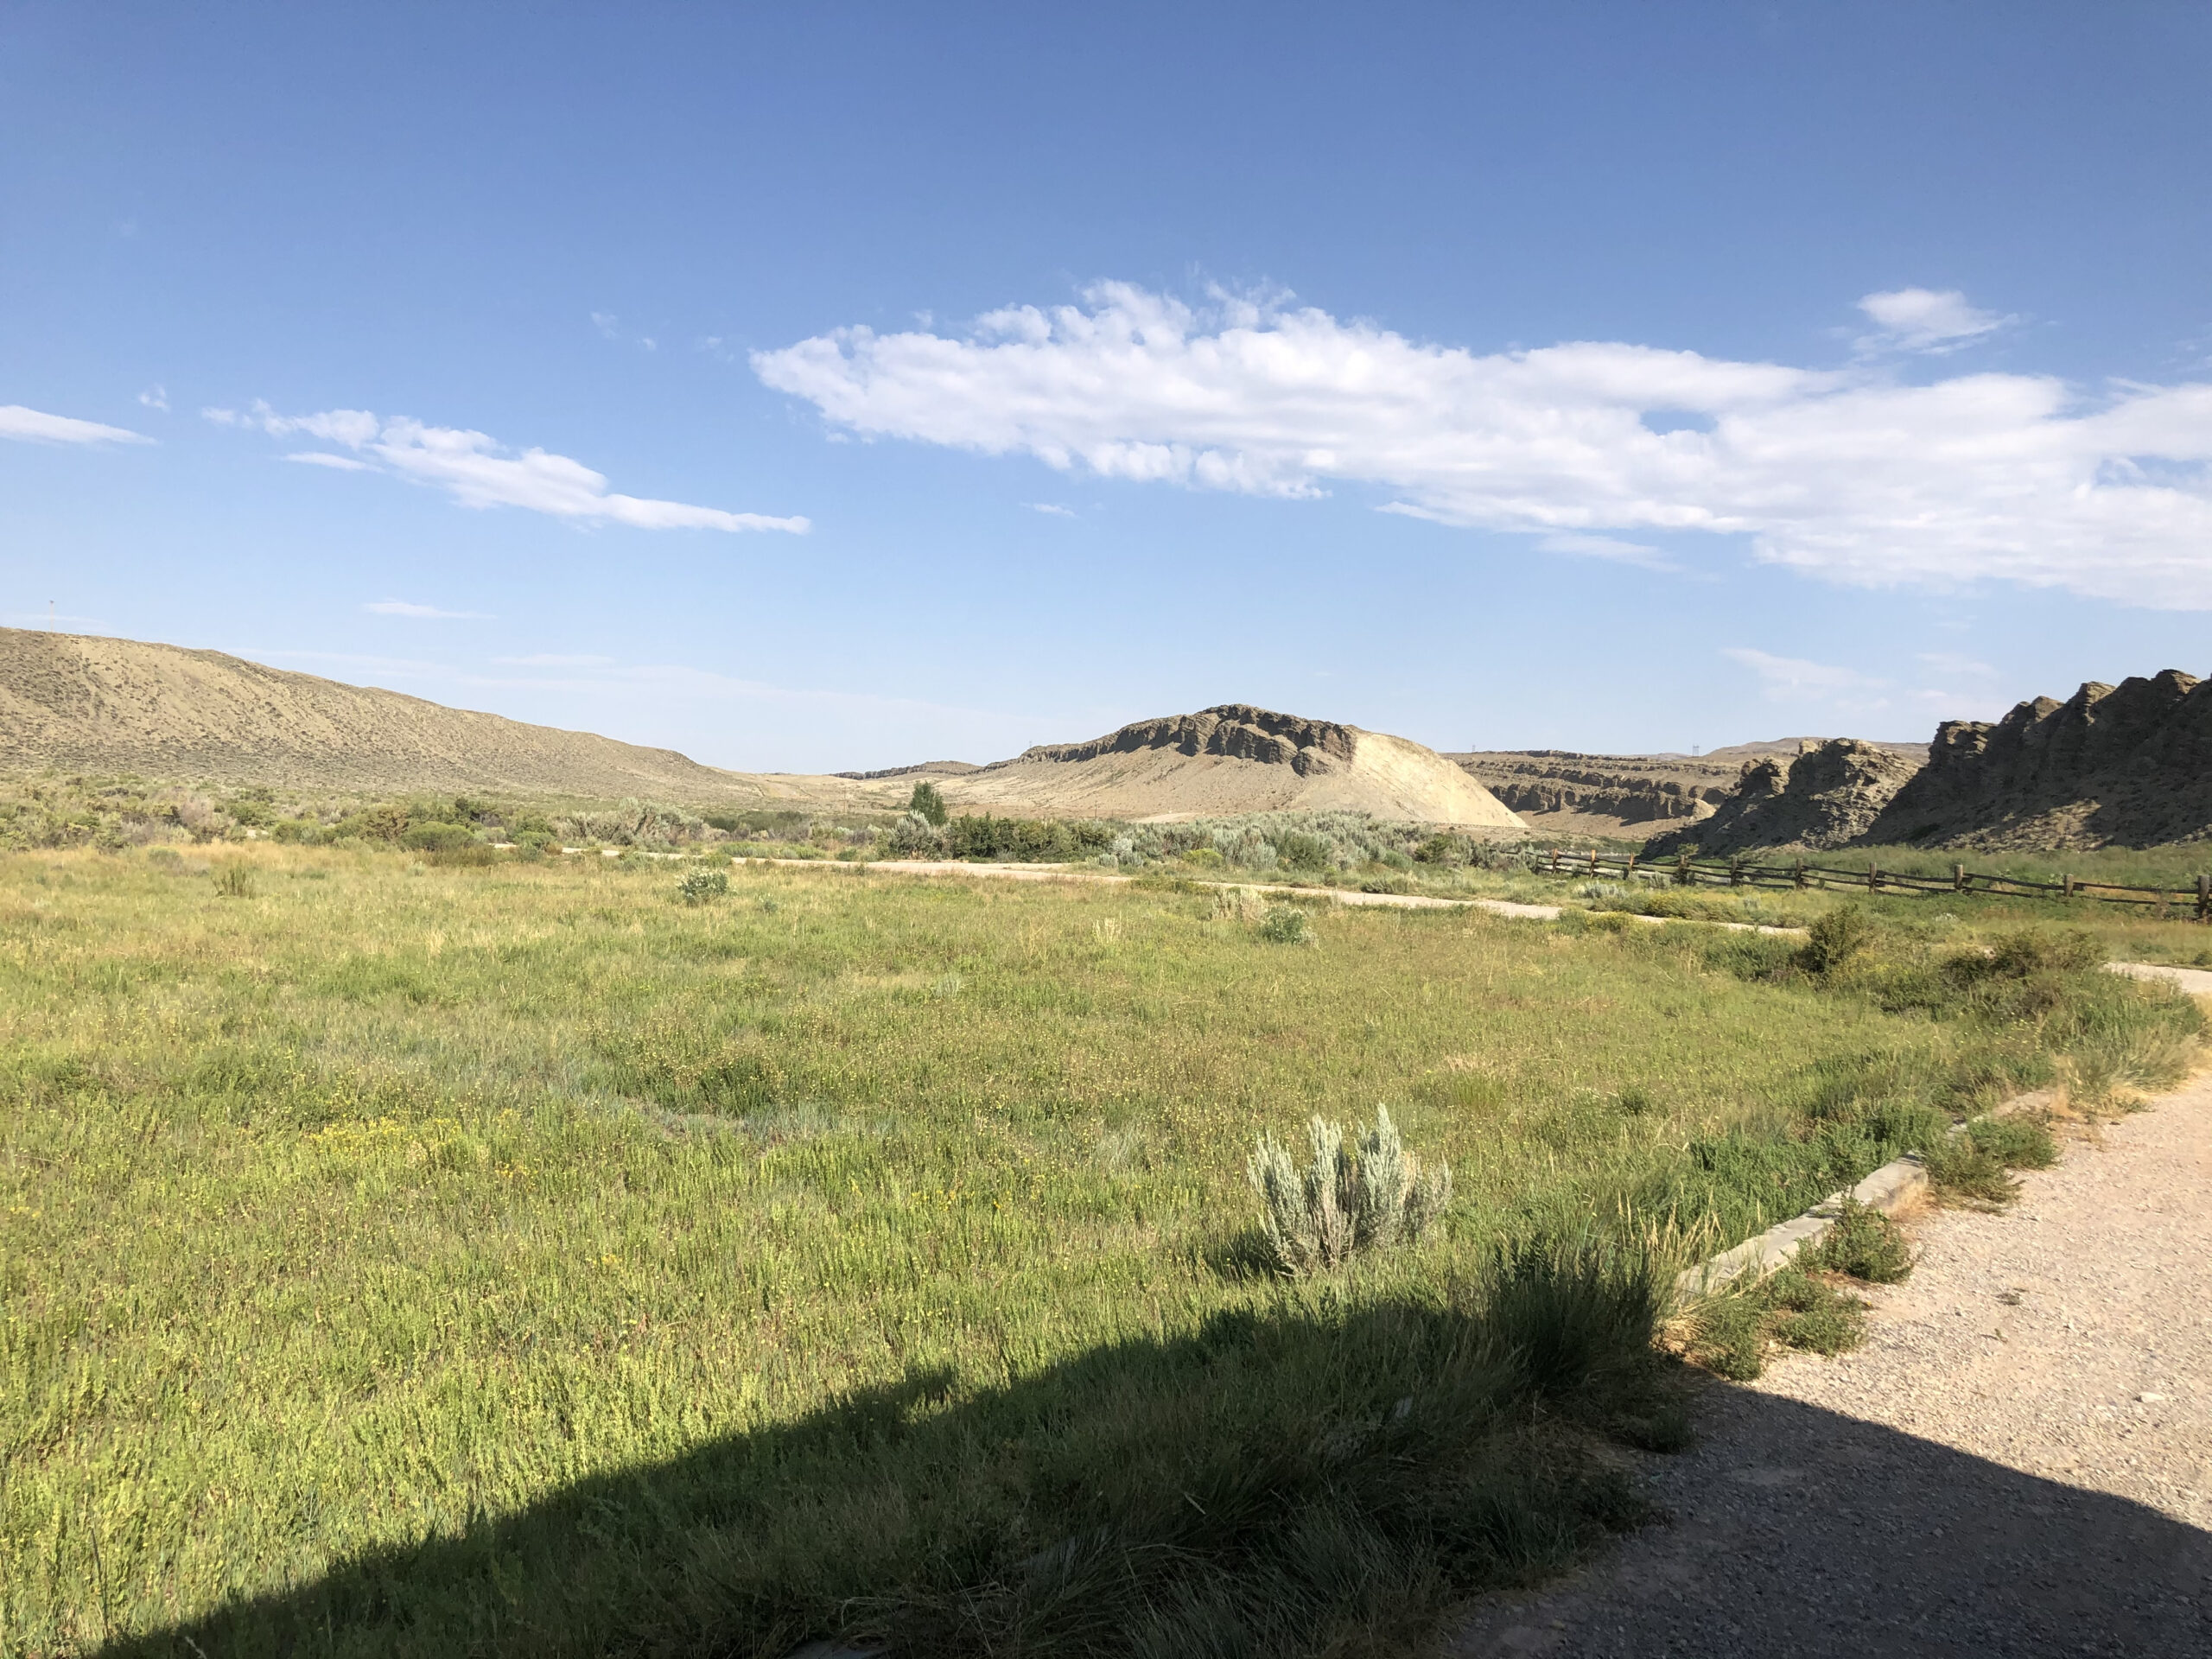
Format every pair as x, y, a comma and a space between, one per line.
1602, 794
2128, 765
1232, 759
1830, 794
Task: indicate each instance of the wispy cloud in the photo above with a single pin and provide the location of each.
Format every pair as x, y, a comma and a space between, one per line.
1608, 547
549, 659
1051, 509
1853, 475
1925, 320
156, 396
1789, 677
36, 426
1853, 692
479, 472
55, 619
336, 463
402, 607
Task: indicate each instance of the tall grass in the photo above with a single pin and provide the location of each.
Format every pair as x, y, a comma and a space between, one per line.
517, 1258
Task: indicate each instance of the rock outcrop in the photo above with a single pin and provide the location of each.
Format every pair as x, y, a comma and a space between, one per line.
1232, 759
2126, 765
1830, 794
1602, 793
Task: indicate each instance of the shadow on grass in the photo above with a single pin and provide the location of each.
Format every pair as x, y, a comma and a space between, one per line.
1306, 1474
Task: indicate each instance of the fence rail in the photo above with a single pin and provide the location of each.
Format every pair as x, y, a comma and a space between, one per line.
1686, 871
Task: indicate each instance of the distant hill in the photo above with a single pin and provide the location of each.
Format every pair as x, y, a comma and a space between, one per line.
1227, 760
88, 704
1561, 792
919, 769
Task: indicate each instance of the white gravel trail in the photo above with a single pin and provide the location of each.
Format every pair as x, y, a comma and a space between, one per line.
2017, 1462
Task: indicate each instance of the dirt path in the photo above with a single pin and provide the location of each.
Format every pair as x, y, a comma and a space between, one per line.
1339, 895
2019, 1461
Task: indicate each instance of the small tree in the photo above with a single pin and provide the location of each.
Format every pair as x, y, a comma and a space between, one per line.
929, 801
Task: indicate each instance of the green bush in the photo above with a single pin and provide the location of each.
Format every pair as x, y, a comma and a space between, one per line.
1286, 925
1862, 1244
1834, 938
1302, 851
436, 838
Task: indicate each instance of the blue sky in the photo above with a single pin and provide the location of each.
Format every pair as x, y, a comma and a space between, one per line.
836, 386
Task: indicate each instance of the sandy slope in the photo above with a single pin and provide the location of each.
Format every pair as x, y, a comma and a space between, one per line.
92, 704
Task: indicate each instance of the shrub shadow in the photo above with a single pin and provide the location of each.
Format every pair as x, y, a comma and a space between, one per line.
1294, 1474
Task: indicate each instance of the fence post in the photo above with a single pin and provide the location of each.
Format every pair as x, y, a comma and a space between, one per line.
1736, 870
1594, 860
1799, 871
1873, 878
2069, 879
1958, 878
1629, 873
2204, 897
1682, 868
1555, 860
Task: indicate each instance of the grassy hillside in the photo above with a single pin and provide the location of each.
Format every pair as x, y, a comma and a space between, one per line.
517, 1259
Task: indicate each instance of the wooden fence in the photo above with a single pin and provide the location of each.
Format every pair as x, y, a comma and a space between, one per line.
1740, 872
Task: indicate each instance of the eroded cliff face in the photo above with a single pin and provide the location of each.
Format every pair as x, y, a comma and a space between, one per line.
2129, 766
1230, 758
1829, 795
1236, 730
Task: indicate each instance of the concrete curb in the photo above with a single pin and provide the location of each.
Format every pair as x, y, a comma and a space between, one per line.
1888, 1189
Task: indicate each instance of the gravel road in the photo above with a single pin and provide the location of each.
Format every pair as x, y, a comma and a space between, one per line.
2017, 1462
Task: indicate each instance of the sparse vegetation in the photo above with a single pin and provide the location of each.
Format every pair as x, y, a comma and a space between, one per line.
1286, 925
1731, 1334
1862, 1244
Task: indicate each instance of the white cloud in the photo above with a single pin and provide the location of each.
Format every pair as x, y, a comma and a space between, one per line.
402, 607
608, 323
1783, 677
60, 621
479, 472
1945, 662
1050, 508
156, 396
34, 426
1925, 320
337, 463
1608, 547
1848, 474
547, 660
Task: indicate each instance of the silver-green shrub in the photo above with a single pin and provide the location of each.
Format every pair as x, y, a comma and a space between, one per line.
697, 887
1350, 1198
914, 835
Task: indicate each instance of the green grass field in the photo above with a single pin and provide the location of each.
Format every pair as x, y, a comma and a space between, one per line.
515, 1259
